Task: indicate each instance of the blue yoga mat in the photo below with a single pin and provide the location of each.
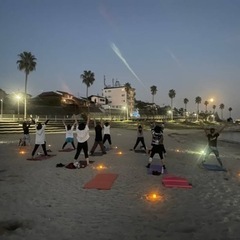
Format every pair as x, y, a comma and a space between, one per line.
155, 167
213, 167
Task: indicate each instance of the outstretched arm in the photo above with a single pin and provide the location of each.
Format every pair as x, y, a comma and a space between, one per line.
88, 120
205, 130
75, 119
46, 122
221, 129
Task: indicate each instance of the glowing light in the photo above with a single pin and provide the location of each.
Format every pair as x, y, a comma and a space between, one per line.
101, 167
154, 197
119, 153
211, 100
22, 152
202, 152
177, 150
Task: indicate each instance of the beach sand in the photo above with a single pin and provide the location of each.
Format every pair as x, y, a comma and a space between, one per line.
40, 201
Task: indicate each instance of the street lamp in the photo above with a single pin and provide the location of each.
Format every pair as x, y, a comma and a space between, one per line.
18, 97
110, 113
1, 107
125, 108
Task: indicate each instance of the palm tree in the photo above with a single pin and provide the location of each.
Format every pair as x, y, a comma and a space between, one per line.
27, 63
153, 92
128, 88
198, 101
206, 104
87, 78
185, 100
230, 112
221, 106
214, 107
172, 95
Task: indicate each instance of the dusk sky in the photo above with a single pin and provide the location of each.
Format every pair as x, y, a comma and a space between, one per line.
190, 46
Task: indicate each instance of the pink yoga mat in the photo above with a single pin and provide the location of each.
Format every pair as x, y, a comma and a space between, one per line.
174, 181
103, 181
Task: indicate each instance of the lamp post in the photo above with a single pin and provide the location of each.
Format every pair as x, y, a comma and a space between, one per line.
110, 113
125, 108
1, 107
18, 97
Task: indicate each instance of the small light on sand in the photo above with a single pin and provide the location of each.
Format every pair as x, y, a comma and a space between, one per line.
177, 150
239, 174
22, 152
116, 147
101, 167
154, 197
49, 145
119, 153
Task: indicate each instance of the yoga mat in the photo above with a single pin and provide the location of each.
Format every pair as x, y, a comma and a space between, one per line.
41, 157
154, 167
67, 150
139, 151
102, 181
174, 181
213, 167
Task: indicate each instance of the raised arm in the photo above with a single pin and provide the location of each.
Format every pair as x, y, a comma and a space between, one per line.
88, 120
221, 129
203, 127
46, 122
75, 119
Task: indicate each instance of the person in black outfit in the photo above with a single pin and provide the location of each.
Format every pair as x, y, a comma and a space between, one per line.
26, 137
98, 138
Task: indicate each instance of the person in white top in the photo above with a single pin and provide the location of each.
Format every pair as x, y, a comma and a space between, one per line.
106, 133
82, 131
40, 137
69, 135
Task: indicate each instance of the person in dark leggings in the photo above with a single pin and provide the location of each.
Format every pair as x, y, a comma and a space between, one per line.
40, 137
98, 138
82, 131
157, 146
140, 138
26, 137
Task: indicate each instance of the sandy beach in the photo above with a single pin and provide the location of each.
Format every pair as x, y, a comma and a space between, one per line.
40, 201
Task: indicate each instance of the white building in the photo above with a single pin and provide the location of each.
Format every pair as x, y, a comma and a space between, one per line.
99, 100
118, 98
